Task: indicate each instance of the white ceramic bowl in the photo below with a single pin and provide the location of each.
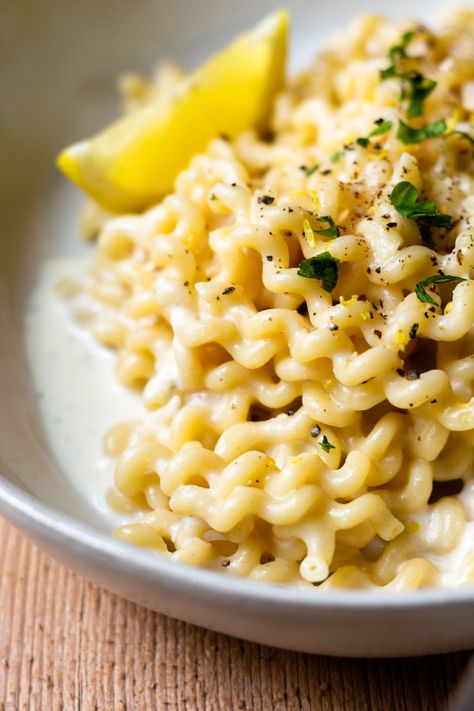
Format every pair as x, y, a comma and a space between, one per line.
58, 65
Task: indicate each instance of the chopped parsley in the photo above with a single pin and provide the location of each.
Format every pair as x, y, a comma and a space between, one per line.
422, 293
326, 445
396, 53
311, 170
404, 198
415, 86
332, 231
381, 127
324, 267
336, 156
408, 135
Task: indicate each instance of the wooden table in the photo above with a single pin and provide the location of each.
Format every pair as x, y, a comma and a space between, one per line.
68, 644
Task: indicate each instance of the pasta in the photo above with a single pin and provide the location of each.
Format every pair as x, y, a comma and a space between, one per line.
299, 317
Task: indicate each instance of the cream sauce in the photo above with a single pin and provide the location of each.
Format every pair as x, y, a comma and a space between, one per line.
78, 394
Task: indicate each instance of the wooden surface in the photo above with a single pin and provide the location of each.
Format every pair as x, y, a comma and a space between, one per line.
67, 644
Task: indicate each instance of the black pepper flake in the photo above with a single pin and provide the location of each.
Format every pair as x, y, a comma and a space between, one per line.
225, 563
433, 402
224, 137
328, 171
401, 372
333, 326
186, 283
378, 333
391, 224
414, 330
269, 258
315, 430
378, 270
229, 290
266, 199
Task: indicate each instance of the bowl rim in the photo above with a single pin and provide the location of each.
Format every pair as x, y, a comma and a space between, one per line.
31, 514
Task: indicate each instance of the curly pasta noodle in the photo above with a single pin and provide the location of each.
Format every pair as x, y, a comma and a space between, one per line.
297, 434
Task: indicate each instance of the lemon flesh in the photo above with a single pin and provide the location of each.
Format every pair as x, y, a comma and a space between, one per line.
134, 161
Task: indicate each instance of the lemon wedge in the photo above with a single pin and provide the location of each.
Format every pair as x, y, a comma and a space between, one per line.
134, 161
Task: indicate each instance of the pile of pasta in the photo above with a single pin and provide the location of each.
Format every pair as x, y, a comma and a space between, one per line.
298, 316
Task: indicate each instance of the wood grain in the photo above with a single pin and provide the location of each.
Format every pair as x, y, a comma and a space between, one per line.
67, 644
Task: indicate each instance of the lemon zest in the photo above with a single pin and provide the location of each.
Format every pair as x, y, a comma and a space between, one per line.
365, 315
309, 234
448, 308
348, 302
380, 155
296, 460
306, 193
401, 338
454, 119
462, 404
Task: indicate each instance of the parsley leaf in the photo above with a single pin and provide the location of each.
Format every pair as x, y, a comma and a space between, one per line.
404, 198
336, 156
419, 88
382, 127
312, 169
408, 135
415, 86
331, 231
326, 445
324, 267
424, 296
396, 53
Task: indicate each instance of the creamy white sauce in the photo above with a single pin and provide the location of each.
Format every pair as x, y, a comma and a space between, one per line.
78, 394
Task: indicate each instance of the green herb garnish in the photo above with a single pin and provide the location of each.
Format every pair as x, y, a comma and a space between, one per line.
404, 198
326, 445
336, 156
415, 86
382, 127
332, 231
417, 89
312, 169
424, 296
324, 267
408, 135
396, 53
